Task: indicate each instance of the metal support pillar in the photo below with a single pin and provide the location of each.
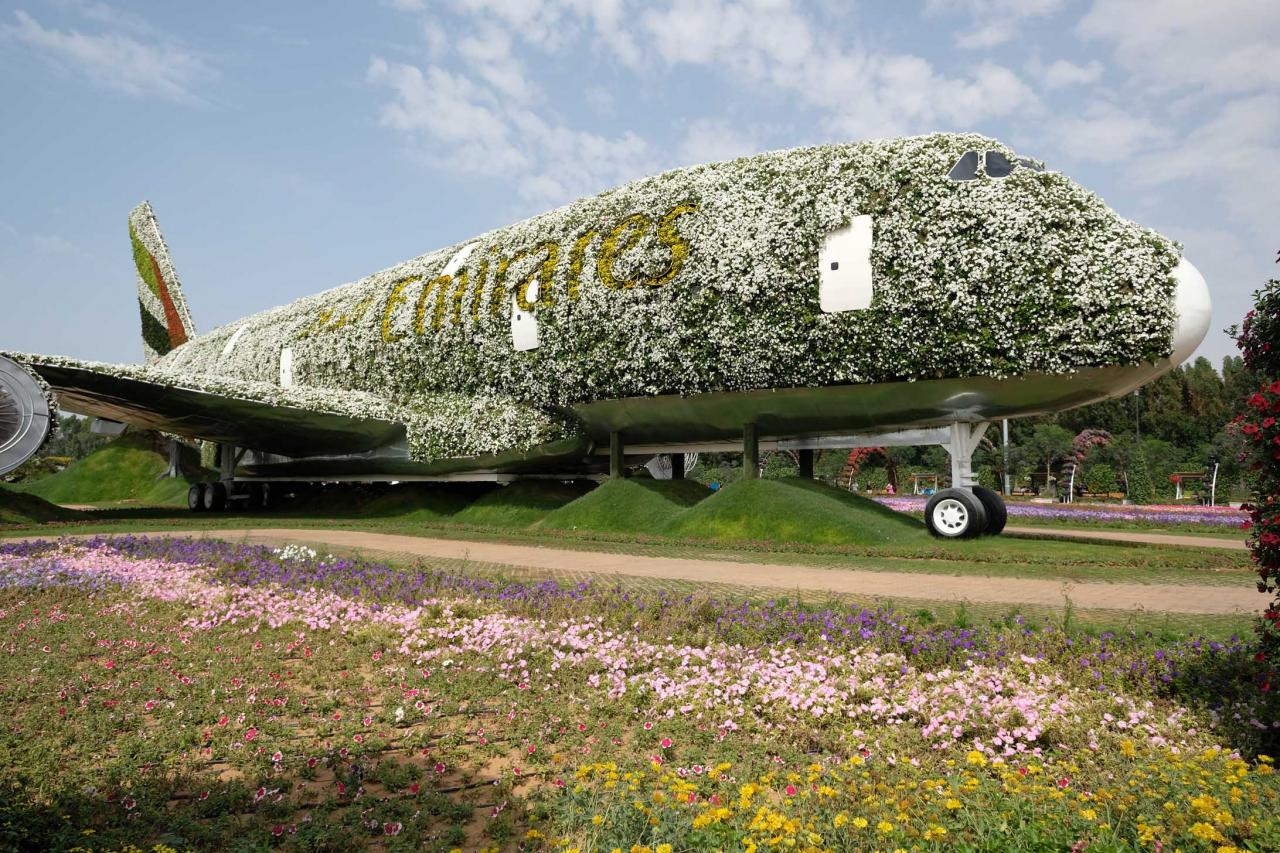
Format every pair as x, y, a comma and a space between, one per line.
615, 456
964, 440
175, 460
750, 452
1004, 452
806, 463
229, 457
677, 466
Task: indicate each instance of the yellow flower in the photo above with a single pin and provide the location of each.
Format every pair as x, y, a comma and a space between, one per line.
1088, 814
841, 820
884, 826
596, 820
663, 848
1127, 748
953, 804
934, 831
860, 822
532, 835
1205, 831
976, 758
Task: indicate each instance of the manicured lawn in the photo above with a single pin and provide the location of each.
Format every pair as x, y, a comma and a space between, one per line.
227, 698
999, 556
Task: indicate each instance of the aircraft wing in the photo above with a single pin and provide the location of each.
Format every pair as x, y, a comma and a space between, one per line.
287, 421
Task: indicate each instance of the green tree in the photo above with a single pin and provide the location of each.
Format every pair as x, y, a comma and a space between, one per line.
1048, 444
1100, 479
1141, 490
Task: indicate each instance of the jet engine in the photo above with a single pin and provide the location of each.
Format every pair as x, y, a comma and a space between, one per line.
27, 414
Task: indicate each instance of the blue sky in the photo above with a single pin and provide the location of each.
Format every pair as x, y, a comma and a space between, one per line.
292, 146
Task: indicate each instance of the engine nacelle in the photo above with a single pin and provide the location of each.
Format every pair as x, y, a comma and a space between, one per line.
28, 414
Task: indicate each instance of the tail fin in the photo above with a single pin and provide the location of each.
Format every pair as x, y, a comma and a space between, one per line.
166, 322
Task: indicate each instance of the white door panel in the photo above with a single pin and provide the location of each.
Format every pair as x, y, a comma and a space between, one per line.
844, 267
524, 325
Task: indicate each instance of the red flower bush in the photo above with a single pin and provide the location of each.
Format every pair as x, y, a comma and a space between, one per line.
1259, 430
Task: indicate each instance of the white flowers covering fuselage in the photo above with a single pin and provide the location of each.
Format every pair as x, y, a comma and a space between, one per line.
706, 279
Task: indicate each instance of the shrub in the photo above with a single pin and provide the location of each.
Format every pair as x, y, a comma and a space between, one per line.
1141, 489
1100, 479
1259, 341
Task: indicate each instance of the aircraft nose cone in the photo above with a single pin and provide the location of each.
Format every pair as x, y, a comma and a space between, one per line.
1193, 308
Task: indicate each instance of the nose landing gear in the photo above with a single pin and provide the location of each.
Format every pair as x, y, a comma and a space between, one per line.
966, 510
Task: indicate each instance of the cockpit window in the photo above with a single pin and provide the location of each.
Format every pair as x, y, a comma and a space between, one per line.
998, 165
966, 168
1030, 164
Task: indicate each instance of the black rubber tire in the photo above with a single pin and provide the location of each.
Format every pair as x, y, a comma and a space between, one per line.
997, 513
955, 514
195, 497
215, 497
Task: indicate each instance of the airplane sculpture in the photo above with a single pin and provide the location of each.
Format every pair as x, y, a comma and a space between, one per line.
901, 291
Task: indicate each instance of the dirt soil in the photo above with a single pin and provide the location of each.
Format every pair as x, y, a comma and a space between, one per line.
1159, 598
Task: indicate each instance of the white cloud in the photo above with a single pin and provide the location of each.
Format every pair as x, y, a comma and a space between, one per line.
1106, 133
1062, 73
465, 125
860, 92
1233, 155
711, 140
993, 22
1219, 46
154, 67
489, 51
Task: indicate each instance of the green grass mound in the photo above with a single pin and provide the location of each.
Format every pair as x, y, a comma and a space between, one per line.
127, 469
639, 505
794, 510
424, 501
522, 503
19, 508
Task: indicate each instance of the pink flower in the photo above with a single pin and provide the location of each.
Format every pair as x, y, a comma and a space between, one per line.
532, 749
414, 788
648, 726
109, 664
439, 768
278, 756
665, 743
391, 828
277, 830
791, 790
250, 734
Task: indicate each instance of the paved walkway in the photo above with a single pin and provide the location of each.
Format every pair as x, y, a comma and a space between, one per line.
1159, 598
1136, 537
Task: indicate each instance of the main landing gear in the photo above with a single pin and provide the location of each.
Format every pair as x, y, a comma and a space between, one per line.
966, 510
214, 497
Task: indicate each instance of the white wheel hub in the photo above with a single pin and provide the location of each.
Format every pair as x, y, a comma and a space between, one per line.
951, 517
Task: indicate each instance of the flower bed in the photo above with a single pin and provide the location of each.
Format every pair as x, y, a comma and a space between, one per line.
1226, 517
200, 691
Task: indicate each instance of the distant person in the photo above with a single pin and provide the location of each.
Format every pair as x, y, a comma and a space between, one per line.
715, 487
888, 489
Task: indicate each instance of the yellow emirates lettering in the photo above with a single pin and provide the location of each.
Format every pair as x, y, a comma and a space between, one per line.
393, 301
451, 292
